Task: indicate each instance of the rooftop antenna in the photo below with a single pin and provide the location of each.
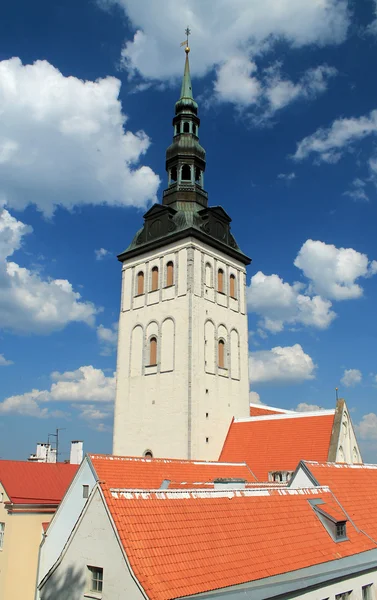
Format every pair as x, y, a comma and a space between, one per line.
56, 436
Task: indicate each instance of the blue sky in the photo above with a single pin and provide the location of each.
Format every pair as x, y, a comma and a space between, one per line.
287, 95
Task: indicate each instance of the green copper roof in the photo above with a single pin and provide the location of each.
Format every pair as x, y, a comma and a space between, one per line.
186, 98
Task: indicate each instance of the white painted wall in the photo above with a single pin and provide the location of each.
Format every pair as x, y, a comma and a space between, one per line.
95, 544
182, 407
300, 480
353, 584
64, 519
348, 449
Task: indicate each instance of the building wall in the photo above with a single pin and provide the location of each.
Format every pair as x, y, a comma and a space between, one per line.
351, 584
19, 557
181, 407
93, 543
348, 449
64, 519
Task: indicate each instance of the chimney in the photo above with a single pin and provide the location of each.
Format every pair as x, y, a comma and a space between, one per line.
76, 452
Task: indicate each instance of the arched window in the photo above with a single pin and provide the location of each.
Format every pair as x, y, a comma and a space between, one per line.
208, 275
169, 273
148, 454
186, 173
221, 354
186, 127
198, 175
153, 351
154, 279
232, 286
140, 283
173, 174
220, 281
194, 130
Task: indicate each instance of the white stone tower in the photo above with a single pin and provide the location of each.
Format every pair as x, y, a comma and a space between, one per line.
182, 370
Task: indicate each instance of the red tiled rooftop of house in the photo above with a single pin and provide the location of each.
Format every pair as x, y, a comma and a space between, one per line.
181, 543
258, 410
278, 442
355, 486
35, 483
142, 473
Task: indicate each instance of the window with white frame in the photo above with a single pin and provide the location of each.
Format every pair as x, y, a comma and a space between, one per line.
95, 579
2, 529
367, 592
85, 491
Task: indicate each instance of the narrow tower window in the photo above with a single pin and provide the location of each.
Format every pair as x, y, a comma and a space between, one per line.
173, 174
186, 127
153, 351
221, 352
208, 275
186, 173
220, 281
198, 175
194, 130
169, 273
154, 279
232, 286
140, 283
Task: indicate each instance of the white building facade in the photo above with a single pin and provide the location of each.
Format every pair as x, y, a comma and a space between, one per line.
182, 371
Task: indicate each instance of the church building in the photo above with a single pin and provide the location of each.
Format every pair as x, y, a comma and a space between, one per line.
182, 372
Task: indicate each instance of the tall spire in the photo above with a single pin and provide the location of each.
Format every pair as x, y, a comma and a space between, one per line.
186, 91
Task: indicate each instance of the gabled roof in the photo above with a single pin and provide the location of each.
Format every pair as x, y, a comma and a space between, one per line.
181, 543
258, 410
355, 486
35, 483
278, 442
142, 473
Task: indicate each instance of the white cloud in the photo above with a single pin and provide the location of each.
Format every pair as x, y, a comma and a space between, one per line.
351, 377
108, 338
62, 142
367, 428
281, 365
101, 253
278, 303
332, 271
254, 398
287, 176
240, 28
28, 302
236, 82
357, 190
328, 144
4, 362
86, 384
304, 407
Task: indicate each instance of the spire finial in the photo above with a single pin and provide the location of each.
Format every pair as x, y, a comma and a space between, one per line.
186, 43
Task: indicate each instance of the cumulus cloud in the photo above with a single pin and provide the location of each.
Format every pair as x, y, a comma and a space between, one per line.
329, 144
84, 385
30, 303
287, 176
332, 271
254, 398
101, 253
63, 142
287, 365
4, 362
240, 28
304, 407
367, 428
278, 303
351, 377
357, 190
237, 81
108, 338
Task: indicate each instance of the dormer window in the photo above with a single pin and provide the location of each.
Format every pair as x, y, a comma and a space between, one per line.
336, 527
341, 530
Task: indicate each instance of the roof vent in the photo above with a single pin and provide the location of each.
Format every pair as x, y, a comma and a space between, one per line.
165, 484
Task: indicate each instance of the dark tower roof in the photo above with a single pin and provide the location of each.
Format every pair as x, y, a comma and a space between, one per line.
184, 211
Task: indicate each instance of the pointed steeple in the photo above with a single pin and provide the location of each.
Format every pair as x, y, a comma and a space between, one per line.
186, 99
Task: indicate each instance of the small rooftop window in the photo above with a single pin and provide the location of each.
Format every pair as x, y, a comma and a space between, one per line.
336, 527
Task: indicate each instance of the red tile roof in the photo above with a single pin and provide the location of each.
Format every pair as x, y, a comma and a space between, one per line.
355, 486
238, 536
258, 410
35, 483
278, 442
142, 473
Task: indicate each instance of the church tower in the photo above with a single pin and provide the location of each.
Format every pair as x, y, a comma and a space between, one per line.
182, 369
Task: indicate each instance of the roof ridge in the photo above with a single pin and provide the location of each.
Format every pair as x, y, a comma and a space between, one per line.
268, 407
115, 458
160, 494
293, 415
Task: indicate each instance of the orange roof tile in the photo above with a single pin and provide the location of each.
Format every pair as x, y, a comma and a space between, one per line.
35, 483
258, 410
355, 486
142, 473
239, 536
278, 442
